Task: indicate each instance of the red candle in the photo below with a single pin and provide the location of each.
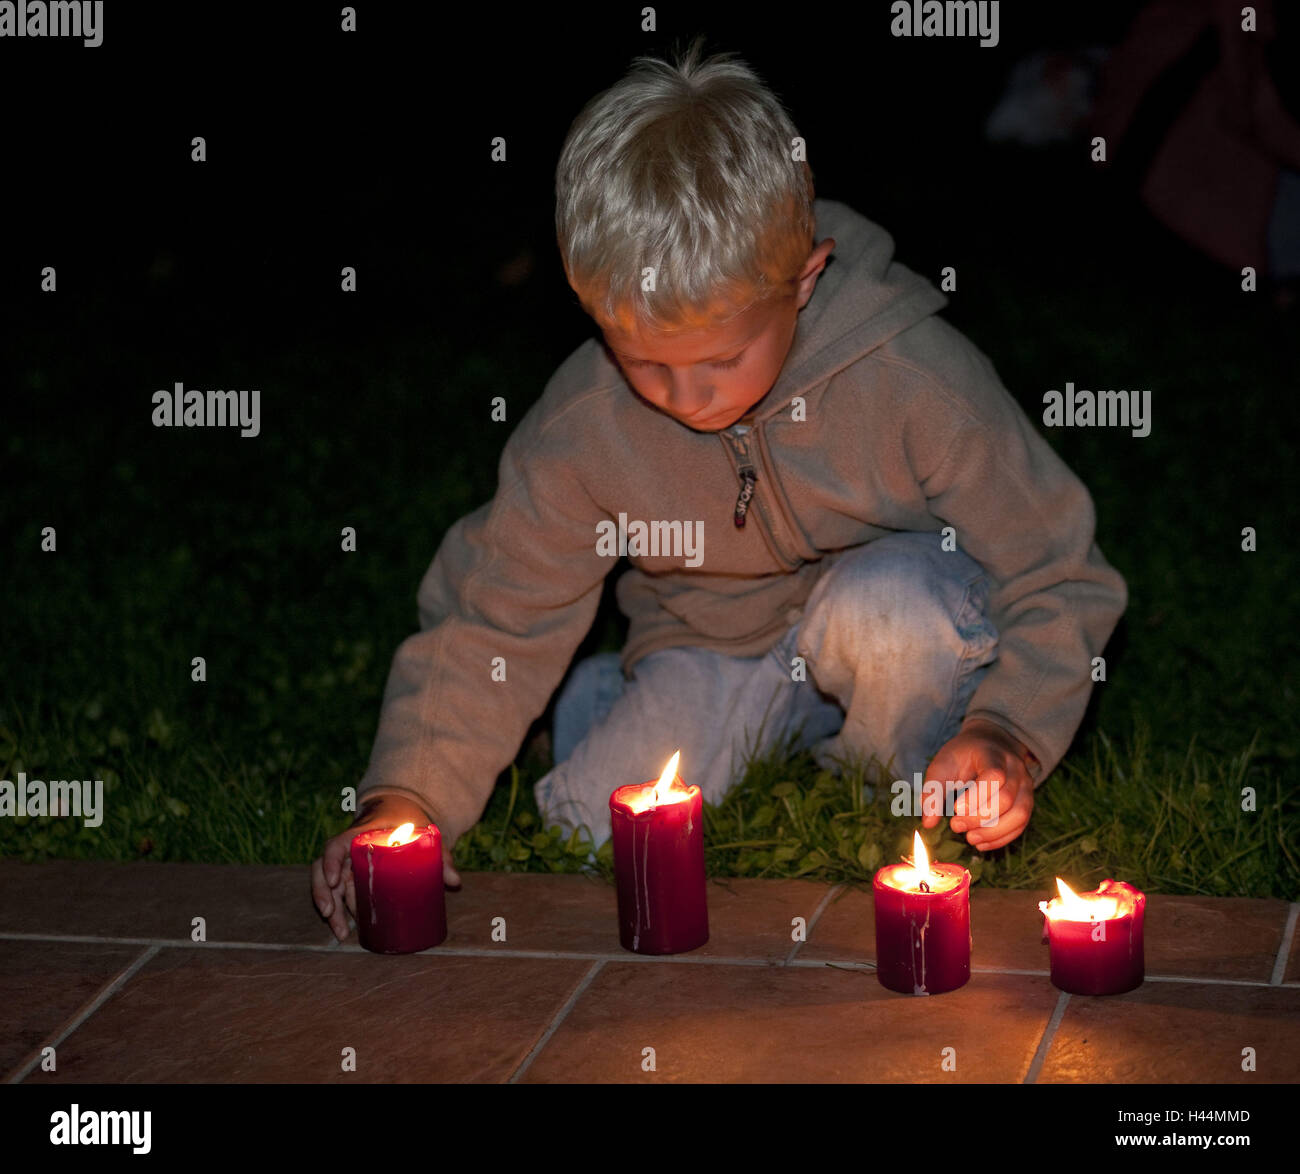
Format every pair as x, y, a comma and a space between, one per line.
659, 864
397, 877
923, 935
1096, 938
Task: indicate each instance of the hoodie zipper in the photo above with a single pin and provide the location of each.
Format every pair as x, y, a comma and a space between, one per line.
737, 437
748, 476
745, 470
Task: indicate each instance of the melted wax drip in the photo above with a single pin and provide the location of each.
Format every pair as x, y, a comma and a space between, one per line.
370, 860
640, 883
920, 990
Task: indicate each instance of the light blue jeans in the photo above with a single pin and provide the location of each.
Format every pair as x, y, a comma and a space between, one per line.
894, 639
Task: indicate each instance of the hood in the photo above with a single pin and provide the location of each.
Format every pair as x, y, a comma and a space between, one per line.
862, 300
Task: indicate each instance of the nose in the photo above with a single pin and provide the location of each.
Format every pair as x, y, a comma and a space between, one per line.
688, 392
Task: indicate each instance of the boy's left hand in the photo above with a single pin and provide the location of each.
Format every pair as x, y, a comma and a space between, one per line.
984, 750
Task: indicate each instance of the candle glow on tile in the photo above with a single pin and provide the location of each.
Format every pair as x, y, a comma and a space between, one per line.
923, 938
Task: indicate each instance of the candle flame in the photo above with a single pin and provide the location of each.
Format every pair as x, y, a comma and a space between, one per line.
667, 791
920, 859
1069, 898
667, 779
403, 835
918, 877
1071, 906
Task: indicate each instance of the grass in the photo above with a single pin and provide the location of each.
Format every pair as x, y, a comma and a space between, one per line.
177, 545
1164, 822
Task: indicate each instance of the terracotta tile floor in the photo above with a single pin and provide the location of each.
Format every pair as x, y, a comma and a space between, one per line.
126, 996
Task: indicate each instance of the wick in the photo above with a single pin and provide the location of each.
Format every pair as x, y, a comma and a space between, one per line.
924, 887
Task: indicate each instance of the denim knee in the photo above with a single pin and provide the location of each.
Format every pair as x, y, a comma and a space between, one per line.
896, 596
583, 701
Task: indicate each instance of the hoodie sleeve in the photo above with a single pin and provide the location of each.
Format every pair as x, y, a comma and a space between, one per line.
1029, 521
519, 579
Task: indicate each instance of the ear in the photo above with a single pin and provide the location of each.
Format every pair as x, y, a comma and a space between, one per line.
812, 270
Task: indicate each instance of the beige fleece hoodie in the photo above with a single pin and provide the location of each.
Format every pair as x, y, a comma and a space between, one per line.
905, 426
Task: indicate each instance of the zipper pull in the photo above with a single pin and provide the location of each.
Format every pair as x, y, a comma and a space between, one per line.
747, 479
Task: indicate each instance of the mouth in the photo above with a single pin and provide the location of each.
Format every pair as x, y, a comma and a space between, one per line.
702, 419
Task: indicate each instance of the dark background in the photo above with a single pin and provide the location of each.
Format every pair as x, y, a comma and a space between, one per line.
373, 150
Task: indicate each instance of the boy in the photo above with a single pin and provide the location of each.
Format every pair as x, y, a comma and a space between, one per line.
837, 517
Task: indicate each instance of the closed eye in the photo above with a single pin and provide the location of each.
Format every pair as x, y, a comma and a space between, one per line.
724, 364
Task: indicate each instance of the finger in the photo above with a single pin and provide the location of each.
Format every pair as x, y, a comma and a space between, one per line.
337, 849
450, 877
320, 891
964, 807
1009, 826
947, 772
968, 800
932, 794
342, 894
339, 918
989, 804
998, 799
994, 794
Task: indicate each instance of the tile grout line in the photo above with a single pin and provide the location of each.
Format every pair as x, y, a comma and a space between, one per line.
339, 948
811, 963
560, 1016
1036, 1064
1009, 970
1284, 947
18, 1075
1206, 981
821, 906
582, 956
165, 943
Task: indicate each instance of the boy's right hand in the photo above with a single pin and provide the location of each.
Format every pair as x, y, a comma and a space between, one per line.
331, 874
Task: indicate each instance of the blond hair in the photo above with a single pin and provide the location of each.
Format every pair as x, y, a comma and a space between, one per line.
687, 168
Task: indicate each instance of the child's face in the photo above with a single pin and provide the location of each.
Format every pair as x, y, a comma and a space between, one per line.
711, 377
